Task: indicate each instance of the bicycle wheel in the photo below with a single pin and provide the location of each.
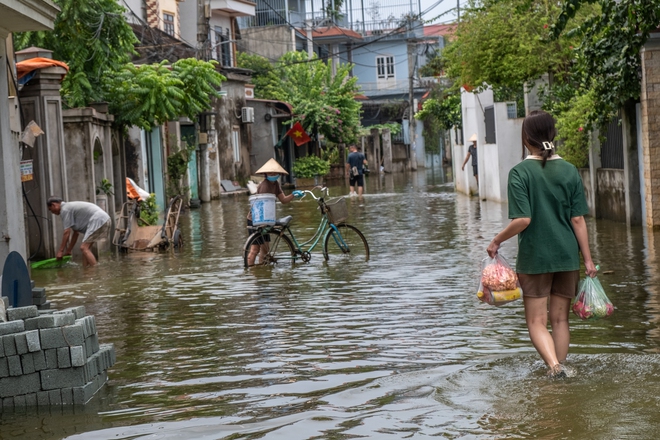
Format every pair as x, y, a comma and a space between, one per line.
348, 245
280, 248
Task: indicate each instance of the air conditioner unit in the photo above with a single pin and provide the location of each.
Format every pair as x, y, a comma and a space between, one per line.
247, 115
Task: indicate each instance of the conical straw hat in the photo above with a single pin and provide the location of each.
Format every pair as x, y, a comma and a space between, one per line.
271, 167
473, 138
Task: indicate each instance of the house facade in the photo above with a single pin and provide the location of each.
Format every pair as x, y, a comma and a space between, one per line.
28, 15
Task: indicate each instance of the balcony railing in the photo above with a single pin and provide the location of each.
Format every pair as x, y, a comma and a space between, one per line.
375, 19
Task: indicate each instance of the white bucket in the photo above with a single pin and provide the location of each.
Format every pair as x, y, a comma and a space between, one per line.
263, 209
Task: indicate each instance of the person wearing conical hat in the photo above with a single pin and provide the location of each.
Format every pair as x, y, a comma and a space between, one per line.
270, 185
472, 151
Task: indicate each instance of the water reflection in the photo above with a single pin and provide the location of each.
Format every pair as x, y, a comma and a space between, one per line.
389, 348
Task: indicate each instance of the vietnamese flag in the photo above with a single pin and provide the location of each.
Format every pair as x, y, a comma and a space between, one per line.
297, 132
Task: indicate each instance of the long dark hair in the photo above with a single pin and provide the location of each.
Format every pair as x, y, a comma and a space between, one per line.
539, 128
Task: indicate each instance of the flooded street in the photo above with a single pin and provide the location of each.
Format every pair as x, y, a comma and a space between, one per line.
396, 347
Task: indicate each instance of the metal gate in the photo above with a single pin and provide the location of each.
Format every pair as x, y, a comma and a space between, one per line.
611, 151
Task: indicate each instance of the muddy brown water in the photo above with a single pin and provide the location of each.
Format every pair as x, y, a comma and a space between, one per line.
397, 347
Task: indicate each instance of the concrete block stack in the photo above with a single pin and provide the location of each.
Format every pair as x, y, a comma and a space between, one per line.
50, 357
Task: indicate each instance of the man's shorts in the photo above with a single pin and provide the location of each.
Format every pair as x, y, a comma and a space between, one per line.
251, 230
357, 180
98, 234
474, 170
543, 285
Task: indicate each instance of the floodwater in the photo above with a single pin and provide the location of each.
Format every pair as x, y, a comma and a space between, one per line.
396, 347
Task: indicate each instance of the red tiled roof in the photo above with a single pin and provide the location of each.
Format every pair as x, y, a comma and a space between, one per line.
326, 32
440, 30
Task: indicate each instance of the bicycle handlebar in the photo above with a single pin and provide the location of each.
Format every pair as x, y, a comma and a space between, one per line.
322, 188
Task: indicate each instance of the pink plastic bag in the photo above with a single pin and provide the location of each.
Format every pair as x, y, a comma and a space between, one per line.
499, 283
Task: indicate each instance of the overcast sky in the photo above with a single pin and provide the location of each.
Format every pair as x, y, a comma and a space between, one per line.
448, 6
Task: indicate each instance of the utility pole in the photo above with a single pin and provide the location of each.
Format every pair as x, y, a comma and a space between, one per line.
412, 126
202, 31
310, 43
458, 10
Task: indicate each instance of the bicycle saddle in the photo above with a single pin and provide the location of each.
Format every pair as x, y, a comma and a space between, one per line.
284, 221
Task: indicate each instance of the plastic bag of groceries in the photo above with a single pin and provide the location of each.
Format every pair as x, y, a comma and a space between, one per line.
591, 301
499, 283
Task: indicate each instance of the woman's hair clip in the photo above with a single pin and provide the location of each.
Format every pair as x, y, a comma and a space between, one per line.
548, 145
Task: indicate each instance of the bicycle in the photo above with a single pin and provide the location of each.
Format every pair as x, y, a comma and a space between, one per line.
341, 241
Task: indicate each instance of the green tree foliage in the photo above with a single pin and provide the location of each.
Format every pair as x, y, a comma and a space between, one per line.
504, 43
607, 59
435, 65
261, 78
153, 94
92, 37
322, 102
442, 109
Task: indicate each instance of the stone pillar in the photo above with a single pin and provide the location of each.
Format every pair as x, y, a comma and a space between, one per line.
40, 101
375, 141
387, 150
650, 121
12, 222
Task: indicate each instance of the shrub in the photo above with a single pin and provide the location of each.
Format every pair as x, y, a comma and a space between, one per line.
310, 166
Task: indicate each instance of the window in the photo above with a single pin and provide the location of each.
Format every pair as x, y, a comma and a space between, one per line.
489, 114
168, 23
511, 110
236, 143
385, 67
223, 47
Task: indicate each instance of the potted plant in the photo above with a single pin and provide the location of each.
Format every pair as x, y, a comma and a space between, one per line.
103, 190
308, 169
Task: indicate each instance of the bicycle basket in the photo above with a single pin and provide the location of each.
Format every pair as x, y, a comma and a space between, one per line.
337, 210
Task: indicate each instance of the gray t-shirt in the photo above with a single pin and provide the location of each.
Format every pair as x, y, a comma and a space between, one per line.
82, 216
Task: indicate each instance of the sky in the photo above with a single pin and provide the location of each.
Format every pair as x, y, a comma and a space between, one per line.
448, 6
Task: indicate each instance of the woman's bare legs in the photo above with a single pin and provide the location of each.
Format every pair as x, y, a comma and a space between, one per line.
559, 308
536, 315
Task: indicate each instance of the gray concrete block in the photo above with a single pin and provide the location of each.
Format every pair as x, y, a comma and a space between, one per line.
52, 337
63, 357
2, 347
31, 399
39, 301
8, 404
15, 368
86, 326
66, 378
17, 313
38, 292
64, 318
77, 356
45, 306
95, 343
67, 396
51, 358
78, 312
39, 360
33, 340
27, 363
10, 327
4, 367
6, 301
19, 402
16, 386
9, 343
55, 397
21, 343
74, 334
78, 395
42, 398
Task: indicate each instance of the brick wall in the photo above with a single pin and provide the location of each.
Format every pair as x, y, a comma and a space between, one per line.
650, 119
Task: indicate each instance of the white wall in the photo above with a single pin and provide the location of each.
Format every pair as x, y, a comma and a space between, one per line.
494, 160
473, 122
